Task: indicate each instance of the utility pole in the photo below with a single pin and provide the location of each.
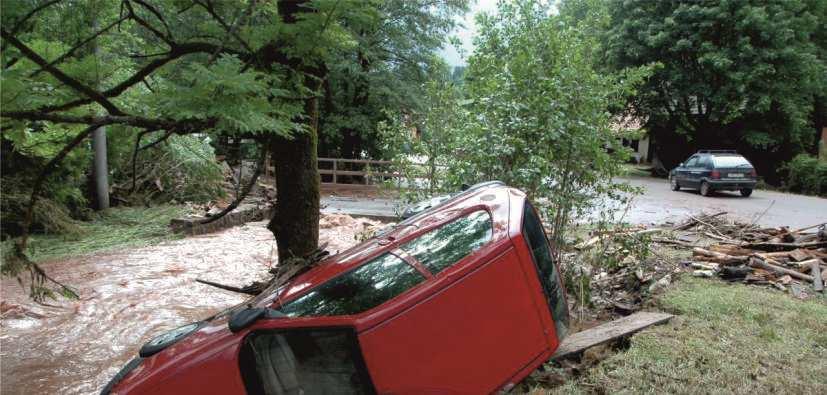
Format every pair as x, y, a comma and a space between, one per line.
100, 169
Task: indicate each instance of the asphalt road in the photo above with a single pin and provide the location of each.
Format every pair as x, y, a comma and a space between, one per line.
657, 204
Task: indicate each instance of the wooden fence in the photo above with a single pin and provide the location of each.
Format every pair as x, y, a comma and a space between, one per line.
354, 172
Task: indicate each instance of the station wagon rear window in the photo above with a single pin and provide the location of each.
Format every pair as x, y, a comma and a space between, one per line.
446, 245
730, 161
357, 291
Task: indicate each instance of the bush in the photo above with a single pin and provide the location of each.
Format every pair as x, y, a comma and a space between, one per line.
806, 174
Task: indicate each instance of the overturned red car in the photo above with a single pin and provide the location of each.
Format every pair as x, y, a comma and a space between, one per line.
461, 298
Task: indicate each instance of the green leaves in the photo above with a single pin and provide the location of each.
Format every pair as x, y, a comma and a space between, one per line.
732, 71
243, 101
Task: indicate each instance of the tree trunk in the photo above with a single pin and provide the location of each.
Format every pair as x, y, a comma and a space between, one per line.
295, 222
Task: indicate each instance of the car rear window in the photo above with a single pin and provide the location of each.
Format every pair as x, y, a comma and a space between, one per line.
444, 246
731, 161
304, 361
359, 290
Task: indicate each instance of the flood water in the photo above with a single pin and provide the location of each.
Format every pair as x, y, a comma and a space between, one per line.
126, 298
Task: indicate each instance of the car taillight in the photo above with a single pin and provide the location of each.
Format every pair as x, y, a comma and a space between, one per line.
715, 174
753, 173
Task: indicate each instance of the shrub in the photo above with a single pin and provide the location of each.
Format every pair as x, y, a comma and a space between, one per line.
806, 174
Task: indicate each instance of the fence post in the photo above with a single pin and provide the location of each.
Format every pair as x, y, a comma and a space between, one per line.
334, 171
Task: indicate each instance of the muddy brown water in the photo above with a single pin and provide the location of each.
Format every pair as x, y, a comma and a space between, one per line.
126, 298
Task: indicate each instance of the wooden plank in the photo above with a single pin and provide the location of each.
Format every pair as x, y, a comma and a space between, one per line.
369, 161
580, 341
818, 283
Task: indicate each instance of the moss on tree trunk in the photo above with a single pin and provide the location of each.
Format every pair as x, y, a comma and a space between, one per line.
295, 222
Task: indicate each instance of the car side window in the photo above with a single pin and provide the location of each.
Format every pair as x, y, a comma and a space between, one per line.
692, 162
549, 280
446, 245
705, 162
359, 290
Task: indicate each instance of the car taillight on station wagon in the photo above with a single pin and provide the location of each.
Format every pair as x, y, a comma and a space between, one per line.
753, 173
715, 174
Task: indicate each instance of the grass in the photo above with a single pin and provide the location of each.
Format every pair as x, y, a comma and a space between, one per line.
116, 228
726, 338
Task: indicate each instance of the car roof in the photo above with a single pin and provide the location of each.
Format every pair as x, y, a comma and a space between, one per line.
493, 197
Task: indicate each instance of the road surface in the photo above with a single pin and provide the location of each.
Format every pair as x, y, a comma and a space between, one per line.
657, 204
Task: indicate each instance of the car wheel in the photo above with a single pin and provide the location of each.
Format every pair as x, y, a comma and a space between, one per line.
746, 192
674, 183
705, 191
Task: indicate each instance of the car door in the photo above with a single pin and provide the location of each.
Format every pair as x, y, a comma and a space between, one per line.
689, 173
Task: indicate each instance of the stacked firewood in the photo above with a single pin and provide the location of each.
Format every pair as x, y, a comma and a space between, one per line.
794, 260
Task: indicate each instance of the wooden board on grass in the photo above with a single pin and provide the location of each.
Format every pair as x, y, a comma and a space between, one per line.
580, 341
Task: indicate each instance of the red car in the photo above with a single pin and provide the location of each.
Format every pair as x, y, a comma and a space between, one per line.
460, 299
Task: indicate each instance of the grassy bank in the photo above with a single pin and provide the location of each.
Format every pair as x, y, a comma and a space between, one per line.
725, 339
116, 228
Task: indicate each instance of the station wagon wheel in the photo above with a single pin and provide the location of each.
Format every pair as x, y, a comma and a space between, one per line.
674, 183
705, 189
746, 192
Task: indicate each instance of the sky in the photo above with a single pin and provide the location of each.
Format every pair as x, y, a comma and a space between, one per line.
465, 33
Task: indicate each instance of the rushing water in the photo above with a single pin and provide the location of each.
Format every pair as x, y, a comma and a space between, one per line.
127, 297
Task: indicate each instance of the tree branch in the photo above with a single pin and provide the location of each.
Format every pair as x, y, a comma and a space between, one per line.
181, 126
177, 51
92, 94
246, 191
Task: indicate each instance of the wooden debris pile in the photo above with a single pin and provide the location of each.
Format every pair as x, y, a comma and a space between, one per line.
790, 260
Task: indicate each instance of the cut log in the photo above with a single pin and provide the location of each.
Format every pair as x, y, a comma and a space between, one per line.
580, 341
799, 255
763, 246
760, 263
719, 257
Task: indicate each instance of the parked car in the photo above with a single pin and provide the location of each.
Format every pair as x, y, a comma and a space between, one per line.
461, 298
715, 170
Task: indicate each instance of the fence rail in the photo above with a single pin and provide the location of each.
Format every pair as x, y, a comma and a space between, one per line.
338, 171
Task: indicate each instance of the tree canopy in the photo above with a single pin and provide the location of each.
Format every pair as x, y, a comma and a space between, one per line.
731, 74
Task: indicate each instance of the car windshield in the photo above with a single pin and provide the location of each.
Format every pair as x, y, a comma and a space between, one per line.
731, 161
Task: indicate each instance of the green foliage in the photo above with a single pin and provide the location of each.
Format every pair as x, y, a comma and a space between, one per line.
117, 228
806, 174
386, 71
422, 144
533, 112
735, 73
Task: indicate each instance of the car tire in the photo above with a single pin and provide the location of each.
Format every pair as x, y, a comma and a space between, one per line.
746, 192
705, 190
674, 183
